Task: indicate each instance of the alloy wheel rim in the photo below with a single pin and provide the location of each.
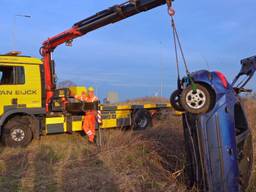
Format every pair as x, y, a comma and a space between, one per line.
196, 99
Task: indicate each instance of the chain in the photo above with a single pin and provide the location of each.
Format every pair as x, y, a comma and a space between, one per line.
178, 46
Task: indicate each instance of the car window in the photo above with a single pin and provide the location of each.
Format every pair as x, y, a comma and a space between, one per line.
240, 119
12, 75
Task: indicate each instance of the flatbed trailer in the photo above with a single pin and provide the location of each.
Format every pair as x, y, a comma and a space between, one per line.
137, 117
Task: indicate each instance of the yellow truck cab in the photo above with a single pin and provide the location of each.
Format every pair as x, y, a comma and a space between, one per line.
20, 83
22, 105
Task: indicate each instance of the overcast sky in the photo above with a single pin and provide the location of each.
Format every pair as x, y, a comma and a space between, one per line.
135, 56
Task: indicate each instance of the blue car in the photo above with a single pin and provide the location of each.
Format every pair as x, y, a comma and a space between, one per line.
218, 140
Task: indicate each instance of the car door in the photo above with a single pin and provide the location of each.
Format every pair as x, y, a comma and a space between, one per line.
244, 145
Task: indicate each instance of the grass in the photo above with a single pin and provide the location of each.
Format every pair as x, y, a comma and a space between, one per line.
151, 160
126, 161
250, 106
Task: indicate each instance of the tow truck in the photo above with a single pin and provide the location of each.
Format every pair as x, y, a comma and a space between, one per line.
30, 103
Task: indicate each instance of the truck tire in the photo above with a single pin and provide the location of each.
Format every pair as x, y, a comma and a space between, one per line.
17, 132
196, 101
141, 120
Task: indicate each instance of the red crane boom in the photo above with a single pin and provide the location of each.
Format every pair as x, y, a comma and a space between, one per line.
100, 19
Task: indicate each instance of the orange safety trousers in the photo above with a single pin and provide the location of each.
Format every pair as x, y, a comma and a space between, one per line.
89, 124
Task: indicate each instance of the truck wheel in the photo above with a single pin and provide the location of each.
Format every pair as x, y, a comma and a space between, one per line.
196, 101
17, 132
175, 101
141, 120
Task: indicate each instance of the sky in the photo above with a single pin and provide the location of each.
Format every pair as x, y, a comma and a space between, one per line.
134, 57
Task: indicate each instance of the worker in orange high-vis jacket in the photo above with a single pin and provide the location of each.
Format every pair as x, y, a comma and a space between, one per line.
90, 121
83, 96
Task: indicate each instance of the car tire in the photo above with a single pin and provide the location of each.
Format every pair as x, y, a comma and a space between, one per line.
175, 101
17, 132
196, 101
141, 120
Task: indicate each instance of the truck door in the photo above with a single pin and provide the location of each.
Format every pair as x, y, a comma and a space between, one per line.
11, 77
19, 87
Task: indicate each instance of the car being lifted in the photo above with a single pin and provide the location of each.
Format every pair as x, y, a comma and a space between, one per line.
218, 139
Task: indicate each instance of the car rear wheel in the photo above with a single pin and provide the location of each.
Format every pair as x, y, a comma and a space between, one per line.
17, 132
175, 101
196, 100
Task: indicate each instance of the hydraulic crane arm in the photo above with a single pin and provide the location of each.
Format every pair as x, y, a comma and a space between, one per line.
100, 19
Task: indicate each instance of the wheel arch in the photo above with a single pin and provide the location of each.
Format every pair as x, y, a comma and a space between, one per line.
148, 111
211, 89
23, 112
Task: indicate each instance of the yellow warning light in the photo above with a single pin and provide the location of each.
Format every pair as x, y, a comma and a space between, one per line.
13, 53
